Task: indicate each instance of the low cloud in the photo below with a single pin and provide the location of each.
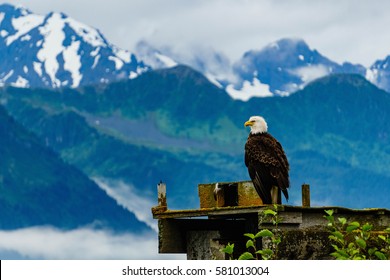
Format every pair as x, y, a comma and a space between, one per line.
333, 27
249, 90
312, 72
83, 243
46, 242
126, 195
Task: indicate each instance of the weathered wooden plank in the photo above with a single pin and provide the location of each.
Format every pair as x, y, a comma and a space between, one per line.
216, 211
305, 195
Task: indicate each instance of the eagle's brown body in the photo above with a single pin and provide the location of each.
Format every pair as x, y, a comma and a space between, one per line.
267, 166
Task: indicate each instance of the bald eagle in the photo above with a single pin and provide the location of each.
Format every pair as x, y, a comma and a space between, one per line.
267, 163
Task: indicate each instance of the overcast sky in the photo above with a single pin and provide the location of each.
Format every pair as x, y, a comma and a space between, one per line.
342, 30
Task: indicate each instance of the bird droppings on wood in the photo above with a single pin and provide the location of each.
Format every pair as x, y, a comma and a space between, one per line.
230, 194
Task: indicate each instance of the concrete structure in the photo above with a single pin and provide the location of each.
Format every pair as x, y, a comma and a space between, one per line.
235, 209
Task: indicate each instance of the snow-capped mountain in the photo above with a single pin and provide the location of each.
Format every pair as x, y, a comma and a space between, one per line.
279, 68
56, 50
283, 67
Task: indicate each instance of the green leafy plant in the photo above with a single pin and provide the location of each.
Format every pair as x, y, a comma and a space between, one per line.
353, 241
228, 249
270, 239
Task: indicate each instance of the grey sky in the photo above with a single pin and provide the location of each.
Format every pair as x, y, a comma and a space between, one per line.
342, 30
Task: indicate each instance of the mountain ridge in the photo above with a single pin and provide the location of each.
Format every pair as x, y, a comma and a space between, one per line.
328, 124
80, 55
39, 188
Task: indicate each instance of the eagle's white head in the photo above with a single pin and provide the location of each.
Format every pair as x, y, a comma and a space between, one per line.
257, 124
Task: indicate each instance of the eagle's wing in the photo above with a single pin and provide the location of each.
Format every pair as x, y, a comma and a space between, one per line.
260, 186
283, 167
267, 165
258, 169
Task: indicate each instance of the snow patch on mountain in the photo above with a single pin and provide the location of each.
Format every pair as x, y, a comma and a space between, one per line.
9, 74
23, 25
52, 46
73, 63
122, 54
133, 75
372, 75
38, 68
20, 82
88, 34
118, 63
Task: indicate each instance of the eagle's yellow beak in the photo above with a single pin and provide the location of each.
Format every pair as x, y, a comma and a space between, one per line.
248, 123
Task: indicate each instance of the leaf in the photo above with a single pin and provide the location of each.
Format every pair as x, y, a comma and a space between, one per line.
264, 233
330, 220
250, 243
276, 220
269, 212
367, 227
361, 243
343, 221
277, 240
352, 226
354, 253
382, 237
246, 256
266, 254
343, 253
339, 256
338, 235
371, 251
334, 238
329, 212
380, 255
335, 247
250, 235
228, 249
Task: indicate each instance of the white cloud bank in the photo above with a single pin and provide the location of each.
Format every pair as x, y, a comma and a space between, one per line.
45, 242
249, 90
312, 72
79, 244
